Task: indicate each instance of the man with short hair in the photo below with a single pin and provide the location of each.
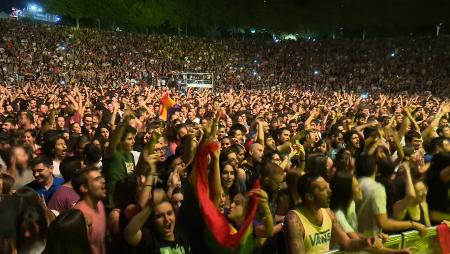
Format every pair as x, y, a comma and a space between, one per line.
372, 212
310, 226
256, 153
119, 160
45, 182
90, 185
66, 197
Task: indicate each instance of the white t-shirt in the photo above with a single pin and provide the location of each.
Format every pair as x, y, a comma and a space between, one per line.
348, 219
374, 203
56, 171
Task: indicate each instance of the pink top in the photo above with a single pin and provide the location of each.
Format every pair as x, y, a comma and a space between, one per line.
96, 218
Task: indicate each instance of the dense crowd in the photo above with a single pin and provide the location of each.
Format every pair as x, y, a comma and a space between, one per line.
302, 147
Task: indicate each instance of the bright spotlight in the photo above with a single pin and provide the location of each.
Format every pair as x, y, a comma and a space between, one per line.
33, 7
252, 31
316, 72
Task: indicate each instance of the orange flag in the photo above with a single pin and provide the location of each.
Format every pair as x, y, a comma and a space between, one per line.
166, 104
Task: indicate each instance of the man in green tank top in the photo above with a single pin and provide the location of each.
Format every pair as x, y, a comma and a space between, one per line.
310, 225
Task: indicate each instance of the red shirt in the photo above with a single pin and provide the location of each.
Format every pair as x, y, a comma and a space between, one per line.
97, 230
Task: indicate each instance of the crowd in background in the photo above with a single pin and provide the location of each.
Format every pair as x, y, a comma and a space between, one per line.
343, 140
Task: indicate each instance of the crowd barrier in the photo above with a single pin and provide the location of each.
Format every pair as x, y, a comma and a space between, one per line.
429, 244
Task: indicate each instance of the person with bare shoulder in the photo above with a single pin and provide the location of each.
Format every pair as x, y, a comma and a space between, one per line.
309, 227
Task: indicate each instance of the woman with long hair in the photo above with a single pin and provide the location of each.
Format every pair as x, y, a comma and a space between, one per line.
346, 192
229, 182
68, 234
55, 147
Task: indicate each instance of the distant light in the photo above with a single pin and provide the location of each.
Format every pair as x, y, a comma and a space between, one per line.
393, 54
314, 40
316, 72
254, 73
58, 19
62, 82
255, 61
276, 40
309, 37
39, 10
33, 7
252, 31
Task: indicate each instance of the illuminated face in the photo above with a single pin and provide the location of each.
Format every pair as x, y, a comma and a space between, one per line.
161, 150
225, 143
232, 157
285, 136
42, 173
421, 191
321, 192
60, 123
227, 176
355, 140
104, 132
128, 142
60, 148
164, 221
257, 152
96, 186
28, 138
237, 208
76, 128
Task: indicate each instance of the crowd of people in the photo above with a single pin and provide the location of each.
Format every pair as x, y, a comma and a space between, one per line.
302, 147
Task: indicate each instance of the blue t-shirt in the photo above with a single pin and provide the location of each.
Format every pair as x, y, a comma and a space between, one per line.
41, 190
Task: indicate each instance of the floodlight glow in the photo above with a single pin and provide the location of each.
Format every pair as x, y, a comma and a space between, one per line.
39, 10
255, 73
316, 72
33, 7
393, 54
252, 31
58, 19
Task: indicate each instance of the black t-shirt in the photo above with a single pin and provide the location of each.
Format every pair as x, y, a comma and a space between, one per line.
150, 243
438, 196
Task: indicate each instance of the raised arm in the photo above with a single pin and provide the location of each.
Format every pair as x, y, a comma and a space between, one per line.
401, 206
133, 231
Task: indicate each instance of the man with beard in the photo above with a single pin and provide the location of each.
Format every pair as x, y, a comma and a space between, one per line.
45, 183
90, 185
310, 225
336, 141
16, 161
352, 141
